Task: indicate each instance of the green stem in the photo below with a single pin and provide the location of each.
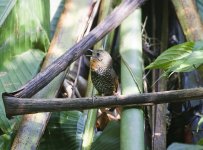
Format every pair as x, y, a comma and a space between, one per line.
132, 119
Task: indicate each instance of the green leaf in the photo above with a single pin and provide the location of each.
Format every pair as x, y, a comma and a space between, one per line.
200, 142
189, 63
5, 8
198, 45
15, 73
169, 57
5, 141
109, 138
180, 58
64, 131
23, 43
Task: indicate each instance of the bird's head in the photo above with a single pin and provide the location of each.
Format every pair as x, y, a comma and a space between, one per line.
100, 59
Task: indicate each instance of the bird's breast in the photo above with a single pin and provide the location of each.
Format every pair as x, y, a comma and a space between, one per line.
103, 81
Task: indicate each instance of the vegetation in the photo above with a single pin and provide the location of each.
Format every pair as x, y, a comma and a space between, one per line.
154, 49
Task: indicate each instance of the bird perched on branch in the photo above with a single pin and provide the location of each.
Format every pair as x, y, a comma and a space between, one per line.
106, 82
103, 75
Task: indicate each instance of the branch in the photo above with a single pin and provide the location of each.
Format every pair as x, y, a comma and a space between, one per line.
18, 106
110, 23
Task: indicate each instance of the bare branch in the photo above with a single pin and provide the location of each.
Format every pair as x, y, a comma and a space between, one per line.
18, 106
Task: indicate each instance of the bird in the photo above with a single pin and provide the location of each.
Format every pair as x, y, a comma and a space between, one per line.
103, 75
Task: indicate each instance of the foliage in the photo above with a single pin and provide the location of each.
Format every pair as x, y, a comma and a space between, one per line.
5, 8
200, 142
23, 44
180, 58
109, 138
64, 131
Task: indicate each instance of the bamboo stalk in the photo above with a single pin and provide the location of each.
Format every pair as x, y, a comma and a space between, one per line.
17, 106
131, 81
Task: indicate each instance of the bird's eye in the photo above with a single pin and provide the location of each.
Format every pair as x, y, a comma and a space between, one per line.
98, 54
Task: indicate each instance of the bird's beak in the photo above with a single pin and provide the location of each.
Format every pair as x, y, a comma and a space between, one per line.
90, 51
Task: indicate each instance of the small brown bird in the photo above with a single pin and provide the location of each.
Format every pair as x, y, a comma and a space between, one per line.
103, 75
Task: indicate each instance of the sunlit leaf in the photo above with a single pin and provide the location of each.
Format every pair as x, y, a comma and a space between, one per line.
15, 73
24, 40
191, 62
180, 58
171, 55
5, 8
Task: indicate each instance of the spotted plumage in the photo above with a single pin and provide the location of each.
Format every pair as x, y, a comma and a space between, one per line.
103, 76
